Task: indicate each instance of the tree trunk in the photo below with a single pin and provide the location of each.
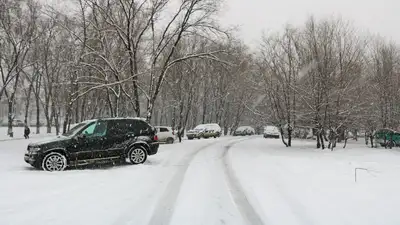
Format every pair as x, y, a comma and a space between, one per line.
48, 116
67, 119
356, 134
10, 118
83, 104
322, 140
173, 121
55, 114
283, 138
180, 118
27, 103
57, 124
76, 114
37, 114
110, 106
372, 141
195, 114
203, 119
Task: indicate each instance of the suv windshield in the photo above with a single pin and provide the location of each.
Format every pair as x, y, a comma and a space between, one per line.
74, 130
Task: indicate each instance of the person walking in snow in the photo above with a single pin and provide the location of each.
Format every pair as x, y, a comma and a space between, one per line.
27, 131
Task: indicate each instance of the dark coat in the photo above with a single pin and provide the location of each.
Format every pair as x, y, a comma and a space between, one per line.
27, 131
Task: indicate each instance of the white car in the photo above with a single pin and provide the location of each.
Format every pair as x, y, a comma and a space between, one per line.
165, 134
204, 131
244, 130
271, 132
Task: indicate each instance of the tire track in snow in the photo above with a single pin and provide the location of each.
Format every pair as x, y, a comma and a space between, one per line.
164, 210
248, 212
296, 206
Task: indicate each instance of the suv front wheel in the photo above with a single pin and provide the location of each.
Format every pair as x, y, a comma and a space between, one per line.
54, 161
137, 155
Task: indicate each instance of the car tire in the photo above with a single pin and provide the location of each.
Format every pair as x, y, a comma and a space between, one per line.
137, 155
170, 140
190, 138
54, 161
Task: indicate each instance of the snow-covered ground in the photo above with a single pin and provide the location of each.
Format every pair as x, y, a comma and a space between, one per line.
230, 180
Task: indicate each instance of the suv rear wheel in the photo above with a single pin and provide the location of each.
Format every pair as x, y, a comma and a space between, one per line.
54, 161
137, 155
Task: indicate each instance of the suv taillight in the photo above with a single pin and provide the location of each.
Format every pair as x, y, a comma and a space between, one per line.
173, 132
155, 138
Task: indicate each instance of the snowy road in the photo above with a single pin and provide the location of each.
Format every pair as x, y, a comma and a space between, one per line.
231, 180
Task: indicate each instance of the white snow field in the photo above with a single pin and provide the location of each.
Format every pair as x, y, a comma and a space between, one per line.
230, 180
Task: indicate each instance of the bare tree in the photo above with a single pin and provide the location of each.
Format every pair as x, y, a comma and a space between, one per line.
18, 23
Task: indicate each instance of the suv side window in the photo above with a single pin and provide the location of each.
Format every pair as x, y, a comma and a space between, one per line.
118, 127
97, 129
138, 127
144, 127
89, 130
163, 129
101, 129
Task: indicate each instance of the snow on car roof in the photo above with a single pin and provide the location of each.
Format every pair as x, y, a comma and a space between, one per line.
86, 121
201, 126
207, 125
115, 118
241, 128
270, 128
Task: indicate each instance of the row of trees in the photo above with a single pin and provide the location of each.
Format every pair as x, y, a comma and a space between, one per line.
171, 64
174, 65
326, 76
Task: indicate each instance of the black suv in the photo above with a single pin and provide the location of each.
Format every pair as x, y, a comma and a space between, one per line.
100, 140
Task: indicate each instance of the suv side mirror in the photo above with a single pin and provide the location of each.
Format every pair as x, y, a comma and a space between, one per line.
81, 136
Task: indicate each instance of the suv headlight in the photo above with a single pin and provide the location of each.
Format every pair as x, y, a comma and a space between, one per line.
34, 149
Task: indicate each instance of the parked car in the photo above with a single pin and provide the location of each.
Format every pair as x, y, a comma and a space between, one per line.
271, 132
165, 134
18, 123
244, 130
204, 131
34, 123
96, 141
197, 132
387, 137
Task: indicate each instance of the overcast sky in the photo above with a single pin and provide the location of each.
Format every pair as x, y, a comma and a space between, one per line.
255, 16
